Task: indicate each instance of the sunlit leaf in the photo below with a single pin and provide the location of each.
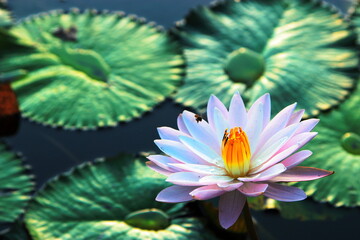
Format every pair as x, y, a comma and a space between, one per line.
16, 185
354, 13
6, 22
5, 18
109, 199
298, 51
92, 69
337, 148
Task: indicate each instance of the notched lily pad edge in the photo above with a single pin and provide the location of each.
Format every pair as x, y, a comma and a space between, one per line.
121, 14
325, 5
26, 171
218, 4
169, 98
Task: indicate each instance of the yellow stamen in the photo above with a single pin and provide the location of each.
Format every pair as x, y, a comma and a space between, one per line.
235, 152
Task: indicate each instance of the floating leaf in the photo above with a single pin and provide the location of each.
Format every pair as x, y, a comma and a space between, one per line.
16, 185
354, 12
337, 148
5, 18
109, 199
5, 23
91, 69
298, 51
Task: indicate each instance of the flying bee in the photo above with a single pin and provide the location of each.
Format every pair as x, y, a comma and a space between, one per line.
198, 118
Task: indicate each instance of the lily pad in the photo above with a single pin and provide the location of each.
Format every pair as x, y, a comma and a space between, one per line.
109, 199
337, 148
92, 69
16, 185
354, 15
298, 51
5, 23
5, 18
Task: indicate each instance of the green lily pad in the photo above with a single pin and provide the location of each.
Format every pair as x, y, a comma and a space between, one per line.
16, 185
5, 23
5, 18
109, 199
298, 51
354, 15
92, 69
337, 148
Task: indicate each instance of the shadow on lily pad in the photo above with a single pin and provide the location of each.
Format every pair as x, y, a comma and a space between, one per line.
110, 198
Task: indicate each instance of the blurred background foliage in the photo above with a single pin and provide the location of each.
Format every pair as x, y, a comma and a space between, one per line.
93, 69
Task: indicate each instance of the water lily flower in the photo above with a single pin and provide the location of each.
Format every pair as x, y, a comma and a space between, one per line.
235, 154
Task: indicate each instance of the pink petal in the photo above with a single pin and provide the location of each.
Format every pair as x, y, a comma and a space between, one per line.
275, 159
254, 125
175, 194
158, 169
230, 186
213, 103
163, 161
284, 193
266, 102
168, 133
296, 117
298, 174
237, 112
307, 125
265, 151
201, 131
230, 207
296, 158
220, 124
207, 192
266, 174
185, 179
299, 139
277, 123
178, 151
211, 179
181, 125
199, 168
202, 150
253, 189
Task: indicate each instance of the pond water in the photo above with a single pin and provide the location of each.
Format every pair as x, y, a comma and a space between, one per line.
51, 151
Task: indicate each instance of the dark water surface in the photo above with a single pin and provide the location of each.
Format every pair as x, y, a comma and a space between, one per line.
52, 151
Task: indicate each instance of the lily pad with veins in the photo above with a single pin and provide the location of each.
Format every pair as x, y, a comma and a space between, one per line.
5, 23
110, 199
5, 18
337, 148
16, 185
298, 51
92, 69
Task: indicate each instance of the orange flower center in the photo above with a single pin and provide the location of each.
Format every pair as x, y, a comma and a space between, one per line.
235, 152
